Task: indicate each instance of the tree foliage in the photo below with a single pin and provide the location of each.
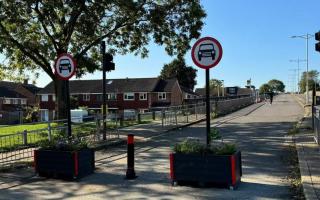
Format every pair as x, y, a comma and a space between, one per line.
215, 83
34, 32
186, 75
313, 77
265, 88
276, 85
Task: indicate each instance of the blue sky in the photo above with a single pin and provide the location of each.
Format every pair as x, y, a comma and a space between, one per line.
255, 36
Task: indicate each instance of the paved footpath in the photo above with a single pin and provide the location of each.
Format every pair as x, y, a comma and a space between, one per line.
259, 131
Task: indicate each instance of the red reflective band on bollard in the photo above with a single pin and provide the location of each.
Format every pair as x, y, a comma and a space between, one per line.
35, 160
130, 139
76, 166
233, 170
171, 166
130, 174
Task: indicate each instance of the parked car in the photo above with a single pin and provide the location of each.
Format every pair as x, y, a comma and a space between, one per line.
206, 50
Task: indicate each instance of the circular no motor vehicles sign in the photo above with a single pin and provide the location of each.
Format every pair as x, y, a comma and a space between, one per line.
65, 66
206, 52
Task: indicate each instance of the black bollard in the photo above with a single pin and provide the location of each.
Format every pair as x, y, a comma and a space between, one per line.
130, 174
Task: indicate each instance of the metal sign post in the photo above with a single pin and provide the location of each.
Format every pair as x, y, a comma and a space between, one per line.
68, 109
207, 53
207, 106
65, 68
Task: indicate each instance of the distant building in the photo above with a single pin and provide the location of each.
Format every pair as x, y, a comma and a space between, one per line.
226, 91
123, 95
16, 96
14, 99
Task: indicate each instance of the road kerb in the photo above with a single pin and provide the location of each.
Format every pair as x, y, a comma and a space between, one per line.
306, 178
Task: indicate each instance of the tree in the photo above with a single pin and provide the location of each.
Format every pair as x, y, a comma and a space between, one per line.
265, 88
313, 77
276, 85
215, 84
34, 32
186, 75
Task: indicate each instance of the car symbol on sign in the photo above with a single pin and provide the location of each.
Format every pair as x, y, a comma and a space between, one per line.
206, 50
65, 65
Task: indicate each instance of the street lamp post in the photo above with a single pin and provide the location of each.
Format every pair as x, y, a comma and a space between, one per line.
306, 37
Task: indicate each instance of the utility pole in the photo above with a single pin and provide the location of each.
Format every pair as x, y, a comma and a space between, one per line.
306, 37
293, 76
298, 61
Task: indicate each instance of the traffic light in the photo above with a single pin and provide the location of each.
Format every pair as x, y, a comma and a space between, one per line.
107, 62
317, 37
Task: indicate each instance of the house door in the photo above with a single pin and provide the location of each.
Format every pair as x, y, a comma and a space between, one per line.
44, 113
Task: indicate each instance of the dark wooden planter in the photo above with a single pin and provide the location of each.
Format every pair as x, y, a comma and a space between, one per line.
64, 164
217, 170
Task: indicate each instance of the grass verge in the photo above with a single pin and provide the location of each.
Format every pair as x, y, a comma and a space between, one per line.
294, 176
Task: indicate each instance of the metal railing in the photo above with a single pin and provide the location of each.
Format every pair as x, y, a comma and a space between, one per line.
18, 147
316, 122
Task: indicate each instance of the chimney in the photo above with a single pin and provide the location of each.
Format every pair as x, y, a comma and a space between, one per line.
25, 81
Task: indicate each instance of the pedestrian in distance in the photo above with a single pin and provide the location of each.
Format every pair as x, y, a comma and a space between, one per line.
271, 96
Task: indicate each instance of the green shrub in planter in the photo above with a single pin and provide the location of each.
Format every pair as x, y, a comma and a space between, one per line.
218, 164
189, 146
214, 134
64, 158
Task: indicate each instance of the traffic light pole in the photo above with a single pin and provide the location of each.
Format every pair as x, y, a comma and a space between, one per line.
104, 95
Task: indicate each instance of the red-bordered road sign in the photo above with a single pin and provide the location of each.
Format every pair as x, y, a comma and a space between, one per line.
65, 66
206, 52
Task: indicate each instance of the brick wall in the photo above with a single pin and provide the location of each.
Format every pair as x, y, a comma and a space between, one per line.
176, 95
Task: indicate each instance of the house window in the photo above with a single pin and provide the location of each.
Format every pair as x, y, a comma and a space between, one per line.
15, 101
99, 97
44, 97
143, 96
162, 96
53, 97
111, 96
86, 97
23, 101
6, 101
129, 96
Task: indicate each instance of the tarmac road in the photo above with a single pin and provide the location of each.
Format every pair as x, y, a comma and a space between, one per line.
258, 130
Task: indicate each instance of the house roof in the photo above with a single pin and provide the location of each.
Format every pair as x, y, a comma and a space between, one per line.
116, 85
129, 85
200, 91
76, 86
9, 93
188, 90
165, 85
10, 89
32, 88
